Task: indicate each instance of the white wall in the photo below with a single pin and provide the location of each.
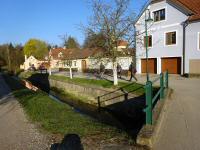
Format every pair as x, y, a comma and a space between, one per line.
172, 22
123, 61
192, 50
60, 64
31, 61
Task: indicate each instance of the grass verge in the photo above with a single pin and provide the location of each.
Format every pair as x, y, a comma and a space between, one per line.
129, 87
56, 117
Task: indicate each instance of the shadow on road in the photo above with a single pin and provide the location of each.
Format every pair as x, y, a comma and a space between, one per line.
69, 142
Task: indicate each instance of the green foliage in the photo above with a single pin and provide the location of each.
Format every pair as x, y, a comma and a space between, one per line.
26, 75
71, 43
37, 48
12, 56
94, 40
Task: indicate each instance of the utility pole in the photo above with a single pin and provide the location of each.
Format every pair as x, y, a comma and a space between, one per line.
149, 19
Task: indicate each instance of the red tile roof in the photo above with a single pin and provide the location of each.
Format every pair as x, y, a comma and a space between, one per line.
193, 5
122, 43
73, 53
81, 53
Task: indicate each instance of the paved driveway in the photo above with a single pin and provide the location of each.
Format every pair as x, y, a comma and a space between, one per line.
180, 129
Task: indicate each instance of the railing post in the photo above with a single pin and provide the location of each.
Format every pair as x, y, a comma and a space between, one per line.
161, 86
166, 79
99, 104
148, 91
126, 96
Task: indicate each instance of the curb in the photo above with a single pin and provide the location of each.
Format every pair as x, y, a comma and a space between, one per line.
149, 133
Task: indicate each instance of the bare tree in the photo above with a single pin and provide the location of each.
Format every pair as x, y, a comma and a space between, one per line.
67, 58
115, 22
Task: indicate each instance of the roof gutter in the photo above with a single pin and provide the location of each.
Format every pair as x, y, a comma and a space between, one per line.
184, 24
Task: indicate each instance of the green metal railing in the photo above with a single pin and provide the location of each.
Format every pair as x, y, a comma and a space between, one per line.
108, 97
151, 99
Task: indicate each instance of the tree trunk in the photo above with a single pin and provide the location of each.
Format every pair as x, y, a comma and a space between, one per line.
9, 61
50, 71
115, 73
70, 72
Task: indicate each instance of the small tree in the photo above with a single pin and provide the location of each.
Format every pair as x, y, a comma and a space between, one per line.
68, 62
37, 48
12, 56
71, 43
17, 58
94, 41
115, 22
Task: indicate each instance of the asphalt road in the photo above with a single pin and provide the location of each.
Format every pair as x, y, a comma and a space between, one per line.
16, 132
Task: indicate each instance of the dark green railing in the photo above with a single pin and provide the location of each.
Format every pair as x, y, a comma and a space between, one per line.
151, 98
102, 98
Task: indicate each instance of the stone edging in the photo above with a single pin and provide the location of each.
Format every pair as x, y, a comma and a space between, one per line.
149, 133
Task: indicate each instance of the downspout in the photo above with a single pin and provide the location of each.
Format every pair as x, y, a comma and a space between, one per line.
184, 24
134, 50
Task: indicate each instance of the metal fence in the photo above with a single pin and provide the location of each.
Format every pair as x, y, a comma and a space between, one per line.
151, 99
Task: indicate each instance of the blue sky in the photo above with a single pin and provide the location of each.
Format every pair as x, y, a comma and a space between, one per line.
21, 20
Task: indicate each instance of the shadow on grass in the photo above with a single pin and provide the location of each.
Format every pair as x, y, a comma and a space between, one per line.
41, 81
129, 113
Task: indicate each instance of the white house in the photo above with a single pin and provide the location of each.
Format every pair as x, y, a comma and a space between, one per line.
84, 59
173, 37
31, 61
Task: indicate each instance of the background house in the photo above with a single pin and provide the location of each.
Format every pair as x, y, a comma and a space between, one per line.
33, 61
173, 37
85, 59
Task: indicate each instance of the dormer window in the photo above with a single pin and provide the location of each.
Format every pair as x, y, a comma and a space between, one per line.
60, 55
159, 15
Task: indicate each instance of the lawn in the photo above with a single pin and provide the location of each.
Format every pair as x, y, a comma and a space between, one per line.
60, 118
129, 87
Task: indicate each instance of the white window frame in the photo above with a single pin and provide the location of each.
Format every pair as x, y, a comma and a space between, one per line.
198, 41
151, 41
152, 15
165, 45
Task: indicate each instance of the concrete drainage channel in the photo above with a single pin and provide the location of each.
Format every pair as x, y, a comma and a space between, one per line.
87, 109
124, 114
122, 110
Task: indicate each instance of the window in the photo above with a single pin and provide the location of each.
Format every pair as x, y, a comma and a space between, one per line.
57, 64
75, 63
170, 38
159, 15
60, 55
149, 40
